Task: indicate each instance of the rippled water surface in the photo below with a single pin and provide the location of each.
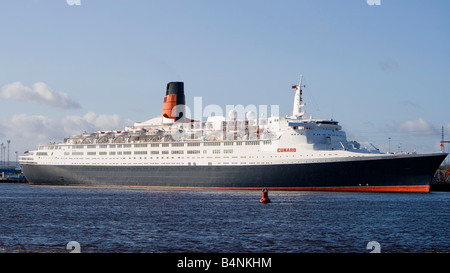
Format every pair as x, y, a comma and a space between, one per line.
46, 218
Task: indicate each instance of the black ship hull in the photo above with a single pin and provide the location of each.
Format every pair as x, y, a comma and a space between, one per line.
401, 173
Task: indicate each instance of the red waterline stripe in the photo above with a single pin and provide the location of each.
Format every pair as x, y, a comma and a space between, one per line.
422, 189
357, 188
367, 189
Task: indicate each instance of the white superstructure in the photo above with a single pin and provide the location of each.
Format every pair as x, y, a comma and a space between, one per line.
217, 141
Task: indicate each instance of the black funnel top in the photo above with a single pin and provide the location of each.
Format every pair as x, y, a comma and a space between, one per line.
176, 88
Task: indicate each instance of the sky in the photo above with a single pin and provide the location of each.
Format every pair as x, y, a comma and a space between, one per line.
379, 67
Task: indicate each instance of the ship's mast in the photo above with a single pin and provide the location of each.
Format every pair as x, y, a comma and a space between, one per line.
297, 111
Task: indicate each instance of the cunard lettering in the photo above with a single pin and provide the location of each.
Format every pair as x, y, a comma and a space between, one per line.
286, 150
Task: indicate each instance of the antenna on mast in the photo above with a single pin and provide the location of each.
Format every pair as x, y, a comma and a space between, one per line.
297, 111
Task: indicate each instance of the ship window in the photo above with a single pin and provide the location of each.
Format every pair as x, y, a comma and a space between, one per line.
177, 144
228, 143
41, 153
155, 144
193, 151
165, 152
216, 151
177, 152
91, 153
211, 144
112, 153
127, 145
140, 145
154, 152
140, 152
127, 153
102, 153
252, 143
90, 146
165, 144
102, 146
228, 151
192, 144
78, 147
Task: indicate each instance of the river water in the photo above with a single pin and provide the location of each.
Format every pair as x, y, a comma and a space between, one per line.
132, 220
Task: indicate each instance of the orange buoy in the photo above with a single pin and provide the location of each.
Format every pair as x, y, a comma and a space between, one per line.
265, 196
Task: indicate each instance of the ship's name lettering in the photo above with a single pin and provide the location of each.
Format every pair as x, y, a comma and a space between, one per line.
286, 150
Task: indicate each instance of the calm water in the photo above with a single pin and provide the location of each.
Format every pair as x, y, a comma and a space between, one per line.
45, 219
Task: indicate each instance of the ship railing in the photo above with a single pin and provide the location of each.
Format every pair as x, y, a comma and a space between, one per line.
176, 135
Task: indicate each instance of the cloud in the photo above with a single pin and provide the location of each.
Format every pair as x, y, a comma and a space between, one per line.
28, 131
418, 127
415, 135
91, 122
446, 131
40, 93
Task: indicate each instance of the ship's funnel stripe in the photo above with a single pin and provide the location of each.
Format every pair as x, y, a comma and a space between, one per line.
174, 101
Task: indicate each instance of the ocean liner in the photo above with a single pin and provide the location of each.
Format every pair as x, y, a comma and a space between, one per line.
227, 152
